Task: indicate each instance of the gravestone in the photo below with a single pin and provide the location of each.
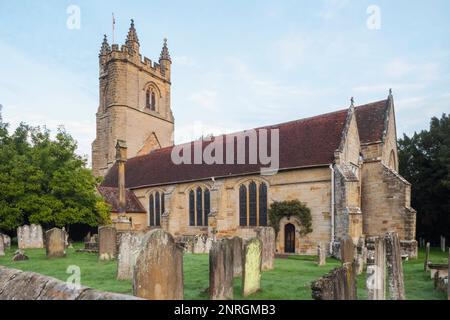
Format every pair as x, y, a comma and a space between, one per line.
376, 271
251, 267
199, 244
267, 237
347, 250
20, 255
427, 257
158, 273
394, 267
107, 246
6, 241
443, 243
30, 237
221, 270
130, 243
2, 246
237, 256
55, 244
361, 256
321, 255
338, 284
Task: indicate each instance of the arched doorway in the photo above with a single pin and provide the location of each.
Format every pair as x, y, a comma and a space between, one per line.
289, 238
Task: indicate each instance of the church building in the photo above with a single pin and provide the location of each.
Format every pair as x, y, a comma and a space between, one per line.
342, 165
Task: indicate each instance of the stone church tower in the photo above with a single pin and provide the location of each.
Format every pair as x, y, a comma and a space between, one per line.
134, 102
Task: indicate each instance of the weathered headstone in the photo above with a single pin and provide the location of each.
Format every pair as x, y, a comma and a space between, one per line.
19, 255
443, 243
221, 270
55, 245
251, 267
237, 256
107, 246
130, 243
376, 271
427, 257
199, 244
6, 241
267, 237
158, 273
361, 256
394, 267
347, 250
30, 237
339, 284
321, 255
2, 246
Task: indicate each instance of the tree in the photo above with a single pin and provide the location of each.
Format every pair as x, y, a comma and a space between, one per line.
43, 181
425, 162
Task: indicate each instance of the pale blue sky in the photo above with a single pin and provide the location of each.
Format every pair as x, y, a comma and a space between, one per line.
236, 64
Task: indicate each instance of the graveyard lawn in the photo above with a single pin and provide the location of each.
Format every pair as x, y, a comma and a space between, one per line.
290, 279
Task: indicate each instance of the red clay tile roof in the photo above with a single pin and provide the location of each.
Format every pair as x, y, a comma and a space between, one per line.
111, 196
371, 121
303, 143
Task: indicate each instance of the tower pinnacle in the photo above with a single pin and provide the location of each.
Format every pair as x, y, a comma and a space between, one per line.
105, 49
132, 38
165, 52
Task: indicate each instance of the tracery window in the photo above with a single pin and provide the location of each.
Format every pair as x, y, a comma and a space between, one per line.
253, 204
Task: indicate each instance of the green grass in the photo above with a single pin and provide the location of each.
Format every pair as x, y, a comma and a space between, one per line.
290, 279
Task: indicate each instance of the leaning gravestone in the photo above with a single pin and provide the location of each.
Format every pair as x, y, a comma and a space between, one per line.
376, 271
129, 246
158, 273
267, 237
251, 267
394, 267
107, 247
237, 256
221, 270
347, 250
55, 245
30, 237
2, 246
321, 255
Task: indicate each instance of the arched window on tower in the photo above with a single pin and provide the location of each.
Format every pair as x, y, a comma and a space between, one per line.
147, 99
153, 104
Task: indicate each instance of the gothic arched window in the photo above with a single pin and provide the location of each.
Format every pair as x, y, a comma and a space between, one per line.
199, 207
192, 208
151, 211
156, 208
206, 206
253, 206
263, 204
153, 104
147, 99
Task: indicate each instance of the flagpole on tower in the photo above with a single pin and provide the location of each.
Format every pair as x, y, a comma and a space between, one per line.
113, 26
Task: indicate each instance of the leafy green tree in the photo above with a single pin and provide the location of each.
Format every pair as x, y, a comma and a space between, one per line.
43, 181
425, 162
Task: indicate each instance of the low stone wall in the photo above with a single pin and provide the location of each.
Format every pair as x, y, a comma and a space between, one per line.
20, 285
339, 284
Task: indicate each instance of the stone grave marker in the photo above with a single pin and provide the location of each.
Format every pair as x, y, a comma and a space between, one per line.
427, 257
6, 241
30, 237
221, 270
267, 237
347, 250
394, 267
19, 255
321, 255
251, 267
55, 244
130, 243
158, 273
376, 271
237, 256
2, 246
107, 246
